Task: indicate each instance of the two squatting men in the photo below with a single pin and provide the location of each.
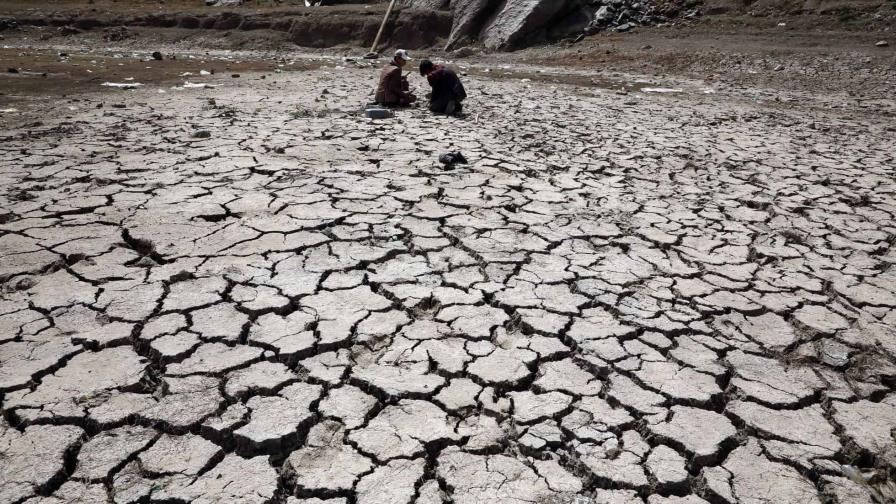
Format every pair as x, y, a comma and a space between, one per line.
393, 89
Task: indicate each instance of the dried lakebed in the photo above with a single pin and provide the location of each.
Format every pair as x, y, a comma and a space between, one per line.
620, 299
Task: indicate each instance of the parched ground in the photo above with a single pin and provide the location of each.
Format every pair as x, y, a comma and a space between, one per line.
251, 293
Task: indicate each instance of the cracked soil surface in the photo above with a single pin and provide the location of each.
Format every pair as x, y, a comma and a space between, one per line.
644, 298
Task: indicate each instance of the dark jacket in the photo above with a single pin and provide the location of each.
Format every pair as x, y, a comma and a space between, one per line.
446, 86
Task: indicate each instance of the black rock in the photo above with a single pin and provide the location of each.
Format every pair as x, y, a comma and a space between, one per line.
12, 70
202, 134
157, 56
449, 159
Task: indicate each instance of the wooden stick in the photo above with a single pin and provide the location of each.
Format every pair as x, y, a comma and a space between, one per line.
376, 41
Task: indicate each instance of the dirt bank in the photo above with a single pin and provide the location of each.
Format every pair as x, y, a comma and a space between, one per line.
303, 26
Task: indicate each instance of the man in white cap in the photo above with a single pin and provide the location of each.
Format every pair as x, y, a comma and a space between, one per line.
393, 90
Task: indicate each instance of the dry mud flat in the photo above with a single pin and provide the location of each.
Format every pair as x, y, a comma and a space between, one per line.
218, 295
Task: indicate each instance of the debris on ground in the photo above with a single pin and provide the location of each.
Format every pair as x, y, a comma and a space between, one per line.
67, 30
117, 34
122, 85
8, 24
378, 113
449, 159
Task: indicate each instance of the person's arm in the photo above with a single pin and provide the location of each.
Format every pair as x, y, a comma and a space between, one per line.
437, 82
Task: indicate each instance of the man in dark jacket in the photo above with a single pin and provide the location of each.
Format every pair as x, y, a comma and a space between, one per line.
447, 90
393, 89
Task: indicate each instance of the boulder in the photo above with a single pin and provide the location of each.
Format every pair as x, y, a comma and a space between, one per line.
516, 20
574, 23
468, 15
425, 4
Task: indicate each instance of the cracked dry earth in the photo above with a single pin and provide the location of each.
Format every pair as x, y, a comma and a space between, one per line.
643, 299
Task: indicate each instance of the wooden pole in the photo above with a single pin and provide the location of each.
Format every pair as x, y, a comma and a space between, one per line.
376, 41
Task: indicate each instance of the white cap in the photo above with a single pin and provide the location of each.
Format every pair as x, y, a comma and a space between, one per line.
401, 53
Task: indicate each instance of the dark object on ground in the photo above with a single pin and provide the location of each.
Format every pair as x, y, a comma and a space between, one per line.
450, 159
202, 134
12, 70
235, 76
157, 56
378, 113
8, 24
